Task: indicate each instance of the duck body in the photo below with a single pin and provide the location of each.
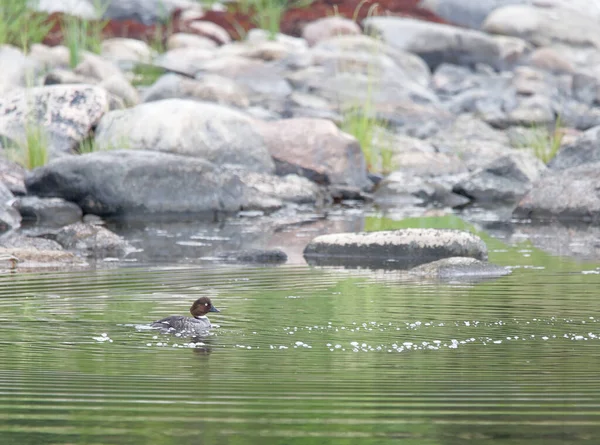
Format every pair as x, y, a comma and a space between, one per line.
199, 324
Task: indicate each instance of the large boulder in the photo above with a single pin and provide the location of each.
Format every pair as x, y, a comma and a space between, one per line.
570, 195
396, 249
130, 182
66, 113
200, 129
506, 179
437, 43
544, 26
317, 149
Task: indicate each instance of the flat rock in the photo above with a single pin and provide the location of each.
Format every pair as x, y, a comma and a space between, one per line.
317, 149
544, 26
506, 179
397, 249
54, 212
570, 195
459, 268
197, 129
437, 43
66, 112
133, 182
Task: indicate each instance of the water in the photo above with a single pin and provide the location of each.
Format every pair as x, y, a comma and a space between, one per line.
303, 356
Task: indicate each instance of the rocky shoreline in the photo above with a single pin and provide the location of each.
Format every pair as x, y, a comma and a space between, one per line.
501, 112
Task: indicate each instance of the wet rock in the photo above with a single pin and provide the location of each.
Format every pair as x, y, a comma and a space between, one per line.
131, 182
466, 13
584, 150
16, 68
54, 212
544, 26
91, 240
199, 129
398, 249
258, 256
12, 175
122, 49
210, 88
9, 216
183, 40
570, 194
327, 27
437, 43
459, 268
66, 112
506, 179
317, 149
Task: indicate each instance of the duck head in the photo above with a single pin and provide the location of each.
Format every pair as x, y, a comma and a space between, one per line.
202, 306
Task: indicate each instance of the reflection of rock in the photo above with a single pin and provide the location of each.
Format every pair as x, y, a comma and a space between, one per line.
48, 211
397, 249
274, 256
459, 268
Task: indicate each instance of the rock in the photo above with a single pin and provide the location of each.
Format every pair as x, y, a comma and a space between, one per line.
50, 57
274, 256
128, 183
317, 149
60, 76
183, 40
429, 164
200, 129
584, 150
16, 68
327, 27
396, 249
506, 179
278, 189
66, 112
437, 43
147, 12
17, 240
35, 259
12, 175
84, 9
570, 195
465, 13
401, 189
544, 26
91, 240
95, 67
54, 212
9, 216
210, 88
122, 49
210, 30
531, 111
459, 268
550, 60
188, 60
118, 86
293, 44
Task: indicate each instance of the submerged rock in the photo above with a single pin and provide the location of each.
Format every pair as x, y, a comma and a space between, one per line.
459, 268
570, 195
91, 240
273, 256
397, 249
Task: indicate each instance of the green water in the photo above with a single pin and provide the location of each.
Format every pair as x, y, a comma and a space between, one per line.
303, 356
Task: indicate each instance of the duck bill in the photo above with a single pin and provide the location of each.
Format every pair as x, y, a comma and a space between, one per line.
213, 309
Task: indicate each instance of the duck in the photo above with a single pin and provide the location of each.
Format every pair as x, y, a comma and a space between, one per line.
198, 324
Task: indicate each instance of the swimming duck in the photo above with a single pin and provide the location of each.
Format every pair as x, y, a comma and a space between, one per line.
198, 325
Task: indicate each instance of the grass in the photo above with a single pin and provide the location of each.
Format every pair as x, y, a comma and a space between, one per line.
33, 151
83, 35
20, 26
267, 14
542, 141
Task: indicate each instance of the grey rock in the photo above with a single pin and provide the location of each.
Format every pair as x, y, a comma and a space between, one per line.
506, 179
146, 11
570, 195
328, 27
31, 259
67, 113
61, 76
584, 150
19, 241
317, 149
54, 212
122, 49
184, 40
188, 60
119, 87
459, 268
131, 183
79, 8
466, 13
91, 241
530, 111
95, 67
257, 256
9, 216
289, 188
12, 175
16, 68
211, 30
200, 129
397, 249
49, 57
544, 26
437, 43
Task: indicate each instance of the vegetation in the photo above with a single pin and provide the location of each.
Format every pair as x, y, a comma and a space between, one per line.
33, 151
83, 35
544, 142
267, 14
20, 26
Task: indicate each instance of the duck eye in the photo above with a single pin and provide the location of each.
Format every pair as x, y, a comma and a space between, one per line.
205, 304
